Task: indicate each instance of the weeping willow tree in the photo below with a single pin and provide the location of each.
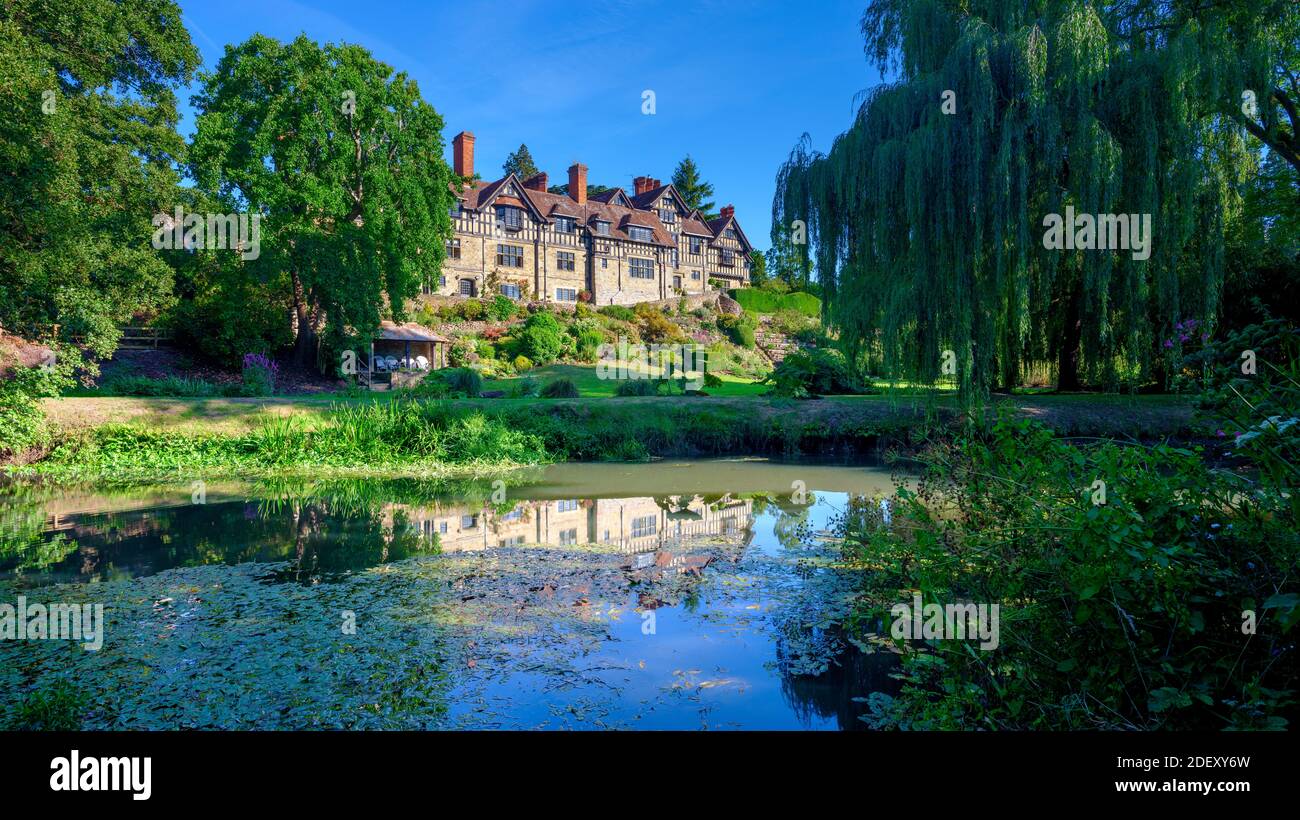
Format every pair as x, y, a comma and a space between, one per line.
926, 220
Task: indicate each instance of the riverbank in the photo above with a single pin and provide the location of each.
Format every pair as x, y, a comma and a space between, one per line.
131, 439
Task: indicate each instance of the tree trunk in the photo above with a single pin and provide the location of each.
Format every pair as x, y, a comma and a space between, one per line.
306, 344
1067, 362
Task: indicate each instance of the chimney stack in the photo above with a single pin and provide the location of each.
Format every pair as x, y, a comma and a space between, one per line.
728, 211
578, 183
462, 151
642, 184
536, 182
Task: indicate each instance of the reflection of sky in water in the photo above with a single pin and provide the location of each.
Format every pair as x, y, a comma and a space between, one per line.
736, 590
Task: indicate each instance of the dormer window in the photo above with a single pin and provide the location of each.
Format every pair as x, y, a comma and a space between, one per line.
565, 224
602, 227
668, 215
510, 218
639, 234
454, 210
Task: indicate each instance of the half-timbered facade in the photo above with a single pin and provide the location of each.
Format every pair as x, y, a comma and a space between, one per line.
515, 238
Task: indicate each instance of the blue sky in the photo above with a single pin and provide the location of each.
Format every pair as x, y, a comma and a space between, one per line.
735, 83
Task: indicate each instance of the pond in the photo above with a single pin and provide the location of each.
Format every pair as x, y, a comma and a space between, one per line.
703, 594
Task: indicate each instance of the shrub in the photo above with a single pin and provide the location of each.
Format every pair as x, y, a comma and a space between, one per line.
813, 373
471, 310
588, 345
739, 329
542, 338
559, 389
522, 363
762, 300
462, 381
658, 328
463, 352
22, 422
1125, 614
643, 387
524, 388
501, 309
623, 314
711, 380
260, 373
167, 386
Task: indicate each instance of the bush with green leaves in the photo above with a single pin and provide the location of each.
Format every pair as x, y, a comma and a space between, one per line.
764, 300
523, 388
462, 382
166, 387
501, 308
815, 372
22, 422
1126, 577
559, 389
623, 314
644, 387
542, 338
739, 329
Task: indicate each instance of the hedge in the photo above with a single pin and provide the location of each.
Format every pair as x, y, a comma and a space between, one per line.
756, 300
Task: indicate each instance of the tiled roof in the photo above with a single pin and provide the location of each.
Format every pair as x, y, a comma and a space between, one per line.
650, 198
480, 192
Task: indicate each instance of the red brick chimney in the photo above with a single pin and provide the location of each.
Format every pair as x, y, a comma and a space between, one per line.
728, 211
642, 184
536, 182
462, 151
578, 183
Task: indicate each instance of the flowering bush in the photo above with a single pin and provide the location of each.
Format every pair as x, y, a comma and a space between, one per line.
1183, 348
260, 373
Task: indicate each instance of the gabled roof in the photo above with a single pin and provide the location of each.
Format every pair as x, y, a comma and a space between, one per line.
614, 196
649, 199
491, 193
695, 226
612, 206
717, 226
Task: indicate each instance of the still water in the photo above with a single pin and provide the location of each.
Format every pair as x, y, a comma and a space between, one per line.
671, 595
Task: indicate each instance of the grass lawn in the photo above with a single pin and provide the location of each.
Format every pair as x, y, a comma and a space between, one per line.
1143, 416
589, 386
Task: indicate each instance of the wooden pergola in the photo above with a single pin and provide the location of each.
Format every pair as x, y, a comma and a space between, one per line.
406, 342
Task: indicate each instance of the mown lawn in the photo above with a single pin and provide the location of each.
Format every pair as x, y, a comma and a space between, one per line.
590, 386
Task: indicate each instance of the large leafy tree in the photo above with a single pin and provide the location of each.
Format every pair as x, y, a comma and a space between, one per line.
343, 160
926, 218
88, 153
520, 163
692, 187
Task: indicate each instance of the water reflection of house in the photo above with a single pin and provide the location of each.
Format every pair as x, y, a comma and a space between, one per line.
631, 525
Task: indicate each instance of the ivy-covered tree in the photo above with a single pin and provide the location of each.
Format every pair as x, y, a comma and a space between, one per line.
694, 190
520, 163
757, 269
88, 148
926, 219
343, 160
